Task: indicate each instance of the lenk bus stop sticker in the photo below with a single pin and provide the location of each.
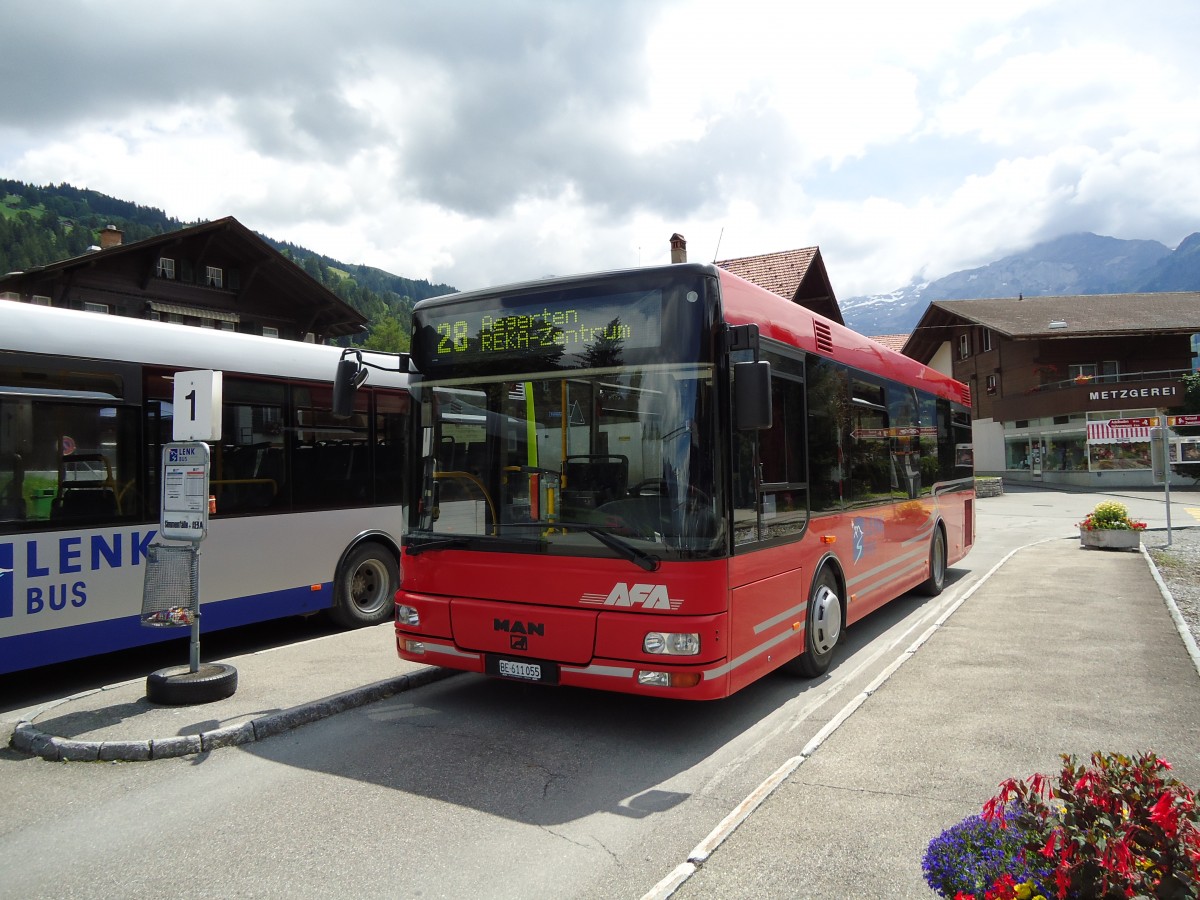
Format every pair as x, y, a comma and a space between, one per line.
185, 474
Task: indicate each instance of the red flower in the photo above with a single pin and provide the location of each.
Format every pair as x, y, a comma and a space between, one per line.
1118, 858
1165, 815
1048, 850
1003, 888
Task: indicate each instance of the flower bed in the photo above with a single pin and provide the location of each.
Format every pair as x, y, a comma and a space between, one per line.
1118, 827
1109, 527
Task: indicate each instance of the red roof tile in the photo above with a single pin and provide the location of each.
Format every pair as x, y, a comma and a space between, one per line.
891, 341
779, 273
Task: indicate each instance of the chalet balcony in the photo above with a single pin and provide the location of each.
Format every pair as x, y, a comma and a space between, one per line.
1131, 390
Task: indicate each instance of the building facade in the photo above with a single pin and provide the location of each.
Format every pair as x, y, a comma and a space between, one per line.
214, 275
1070, 390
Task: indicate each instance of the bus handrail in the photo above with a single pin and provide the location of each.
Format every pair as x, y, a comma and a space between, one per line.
474, 479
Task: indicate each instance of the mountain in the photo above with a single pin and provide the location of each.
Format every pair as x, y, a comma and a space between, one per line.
1074, 264
44, 224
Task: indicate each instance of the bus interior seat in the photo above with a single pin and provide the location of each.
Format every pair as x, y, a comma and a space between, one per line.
592, 480
85, 503
446, 453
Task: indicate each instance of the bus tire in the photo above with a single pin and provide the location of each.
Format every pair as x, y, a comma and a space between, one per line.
932, 586
366, 585
822, 626
180, 686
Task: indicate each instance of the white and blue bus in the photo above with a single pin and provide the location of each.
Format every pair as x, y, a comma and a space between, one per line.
308, 509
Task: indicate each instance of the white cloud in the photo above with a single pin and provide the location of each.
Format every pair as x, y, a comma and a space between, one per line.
476, 143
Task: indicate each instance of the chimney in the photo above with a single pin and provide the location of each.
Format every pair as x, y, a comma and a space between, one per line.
678, 248
111, 236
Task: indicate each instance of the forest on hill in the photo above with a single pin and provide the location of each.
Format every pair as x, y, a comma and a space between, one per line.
48, 223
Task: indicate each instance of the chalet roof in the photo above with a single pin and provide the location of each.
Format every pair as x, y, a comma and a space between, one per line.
892, 341
1027, 317
324, 311
797, 275
1030, 318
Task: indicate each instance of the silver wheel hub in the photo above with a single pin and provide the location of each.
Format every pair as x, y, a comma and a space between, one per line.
368, 584
826, 619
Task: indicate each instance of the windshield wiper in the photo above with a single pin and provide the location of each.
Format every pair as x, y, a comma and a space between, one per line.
623, 548
436, 544
635, 555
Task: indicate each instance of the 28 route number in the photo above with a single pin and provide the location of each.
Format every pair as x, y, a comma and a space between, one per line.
453, 337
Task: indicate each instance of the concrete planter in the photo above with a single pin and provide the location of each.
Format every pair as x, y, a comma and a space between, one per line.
1110, 539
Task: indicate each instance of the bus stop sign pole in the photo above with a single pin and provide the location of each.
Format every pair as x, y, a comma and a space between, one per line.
172, 589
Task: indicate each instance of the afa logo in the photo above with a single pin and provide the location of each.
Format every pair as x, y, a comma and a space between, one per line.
647, 596
6, 581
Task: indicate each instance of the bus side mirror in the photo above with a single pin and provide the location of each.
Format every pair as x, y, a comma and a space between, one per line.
350, 375
752, 395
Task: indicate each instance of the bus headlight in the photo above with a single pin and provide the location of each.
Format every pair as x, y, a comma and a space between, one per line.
671, 643
669, 679
407, 615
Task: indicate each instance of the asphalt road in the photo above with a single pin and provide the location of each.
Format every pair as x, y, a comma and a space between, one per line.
467, 787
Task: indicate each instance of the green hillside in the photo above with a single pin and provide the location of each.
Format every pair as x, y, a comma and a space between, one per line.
44, 224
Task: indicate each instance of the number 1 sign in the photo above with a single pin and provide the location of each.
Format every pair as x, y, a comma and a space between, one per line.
197, 399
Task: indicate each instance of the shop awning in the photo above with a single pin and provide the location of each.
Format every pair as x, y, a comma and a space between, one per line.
1103, 433
198, 312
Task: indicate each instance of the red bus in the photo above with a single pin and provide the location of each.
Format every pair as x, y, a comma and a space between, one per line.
667, 481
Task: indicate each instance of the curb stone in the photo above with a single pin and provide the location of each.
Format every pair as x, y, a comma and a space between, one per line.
27, 739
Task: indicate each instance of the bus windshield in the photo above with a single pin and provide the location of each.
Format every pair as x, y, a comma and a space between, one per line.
601, 462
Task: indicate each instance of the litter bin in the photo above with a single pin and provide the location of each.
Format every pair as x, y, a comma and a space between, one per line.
170, 594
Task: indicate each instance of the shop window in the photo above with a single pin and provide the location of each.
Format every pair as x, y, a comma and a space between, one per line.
1065, 453
1016, 453
1107, 457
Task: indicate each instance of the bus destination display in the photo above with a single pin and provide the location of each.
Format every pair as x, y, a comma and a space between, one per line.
561, 327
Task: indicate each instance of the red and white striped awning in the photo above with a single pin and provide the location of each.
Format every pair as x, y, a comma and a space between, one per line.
1103, 433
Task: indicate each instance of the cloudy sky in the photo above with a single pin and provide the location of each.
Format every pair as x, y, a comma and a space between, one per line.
484, 141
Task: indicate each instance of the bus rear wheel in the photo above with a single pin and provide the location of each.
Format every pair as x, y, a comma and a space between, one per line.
365, 590
822, 626
932, 586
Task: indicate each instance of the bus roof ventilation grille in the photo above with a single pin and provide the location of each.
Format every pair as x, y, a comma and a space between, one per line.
966, 394
824, 336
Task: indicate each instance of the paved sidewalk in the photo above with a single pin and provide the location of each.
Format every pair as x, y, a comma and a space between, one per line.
278, 689
1061, 650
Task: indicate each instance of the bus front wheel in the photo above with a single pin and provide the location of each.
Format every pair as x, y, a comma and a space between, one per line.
366, 586
822, 626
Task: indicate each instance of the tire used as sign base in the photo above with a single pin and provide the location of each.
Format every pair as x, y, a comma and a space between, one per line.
180, 686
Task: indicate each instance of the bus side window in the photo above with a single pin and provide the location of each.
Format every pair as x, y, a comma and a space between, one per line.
871, 476
12, 487
828, 426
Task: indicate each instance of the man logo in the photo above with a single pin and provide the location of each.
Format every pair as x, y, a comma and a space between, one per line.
6, 581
